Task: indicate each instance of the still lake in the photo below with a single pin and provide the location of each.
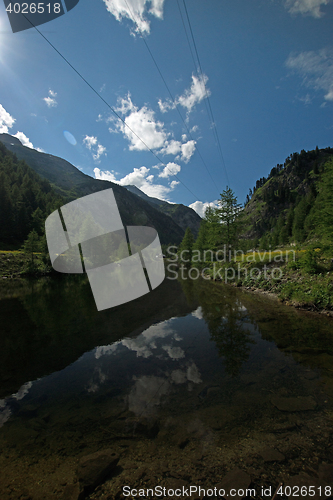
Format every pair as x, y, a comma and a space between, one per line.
186, 383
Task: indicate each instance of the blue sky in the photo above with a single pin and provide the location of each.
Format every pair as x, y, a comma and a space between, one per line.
267, 76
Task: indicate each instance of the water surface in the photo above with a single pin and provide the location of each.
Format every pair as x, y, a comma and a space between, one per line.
184, 383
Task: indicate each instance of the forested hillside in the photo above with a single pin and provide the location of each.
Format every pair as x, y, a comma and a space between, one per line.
295, 201
67, 183
25, 199
292, 205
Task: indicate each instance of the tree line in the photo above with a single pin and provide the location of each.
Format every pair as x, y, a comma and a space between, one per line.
25, 200
219, 229
300, 217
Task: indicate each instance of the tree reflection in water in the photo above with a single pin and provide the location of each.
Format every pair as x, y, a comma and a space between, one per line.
224, 315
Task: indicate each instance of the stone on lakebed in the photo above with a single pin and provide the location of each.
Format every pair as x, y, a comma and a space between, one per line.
304, 403
94, 469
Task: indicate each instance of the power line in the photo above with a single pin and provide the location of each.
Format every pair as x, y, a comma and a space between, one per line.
210, 112
109, 106
169, 91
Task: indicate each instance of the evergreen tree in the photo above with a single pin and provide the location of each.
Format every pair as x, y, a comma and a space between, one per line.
290, 221
25, 199
32, 244
300, 213
213, 228
320, 218
201, 242
38, 221
229, 216
186, 247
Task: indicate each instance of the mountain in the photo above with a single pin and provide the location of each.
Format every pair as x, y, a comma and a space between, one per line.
148, 199
282, 207
26, 199
184, 216
70, 183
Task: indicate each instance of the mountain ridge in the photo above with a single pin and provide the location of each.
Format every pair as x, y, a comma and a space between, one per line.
274, 201
70, 183
184, 216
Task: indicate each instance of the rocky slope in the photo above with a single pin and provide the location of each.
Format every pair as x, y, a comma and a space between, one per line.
285, 186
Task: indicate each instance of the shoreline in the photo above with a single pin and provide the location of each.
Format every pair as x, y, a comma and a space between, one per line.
295, 288
275, 297
303, 291
15, 264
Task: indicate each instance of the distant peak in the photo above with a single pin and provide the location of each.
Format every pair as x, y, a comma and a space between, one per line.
9, 139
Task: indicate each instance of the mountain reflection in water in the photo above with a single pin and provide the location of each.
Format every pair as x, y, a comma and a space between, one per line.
193, 366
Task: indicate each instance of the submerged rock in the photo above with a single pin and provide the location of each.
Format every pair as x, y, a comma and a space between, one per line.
272, 455
94, 469
294, 404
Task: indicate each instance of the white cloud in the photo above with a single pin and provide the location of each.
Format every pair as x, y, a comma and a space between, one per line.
307, 7
174, 352
93, 145
193, 374
187, 150
137, 178
156, 191
166, 105
192, 96
172, 147
24, 140
104, 175
307, 99
51, 99
141, 124
200, 207
90, 141
140, 178
195, 94
125, 105
100, 151
142, 130
316, 68
136, 11
198, 313
6, 120
169, 170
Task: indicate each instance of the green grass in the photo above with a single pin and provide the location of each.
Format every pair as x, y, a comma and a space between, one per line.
306, 281
17, 263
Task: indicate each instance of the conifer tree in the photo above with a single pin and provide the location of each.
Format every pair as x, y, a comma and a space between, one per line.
213, 228
186, 247
32, 244
200, 243
229, 211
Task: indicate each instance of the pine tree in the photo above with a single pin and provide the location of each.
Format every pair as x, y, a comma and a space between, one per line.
300, 214
321, 214
213, 228
32, 244
186, 248
229, 216
201, 243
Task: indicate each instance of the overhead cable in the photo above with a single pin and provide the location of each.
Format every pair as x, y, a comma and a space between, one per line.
201, 76
169, 91
110, 107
